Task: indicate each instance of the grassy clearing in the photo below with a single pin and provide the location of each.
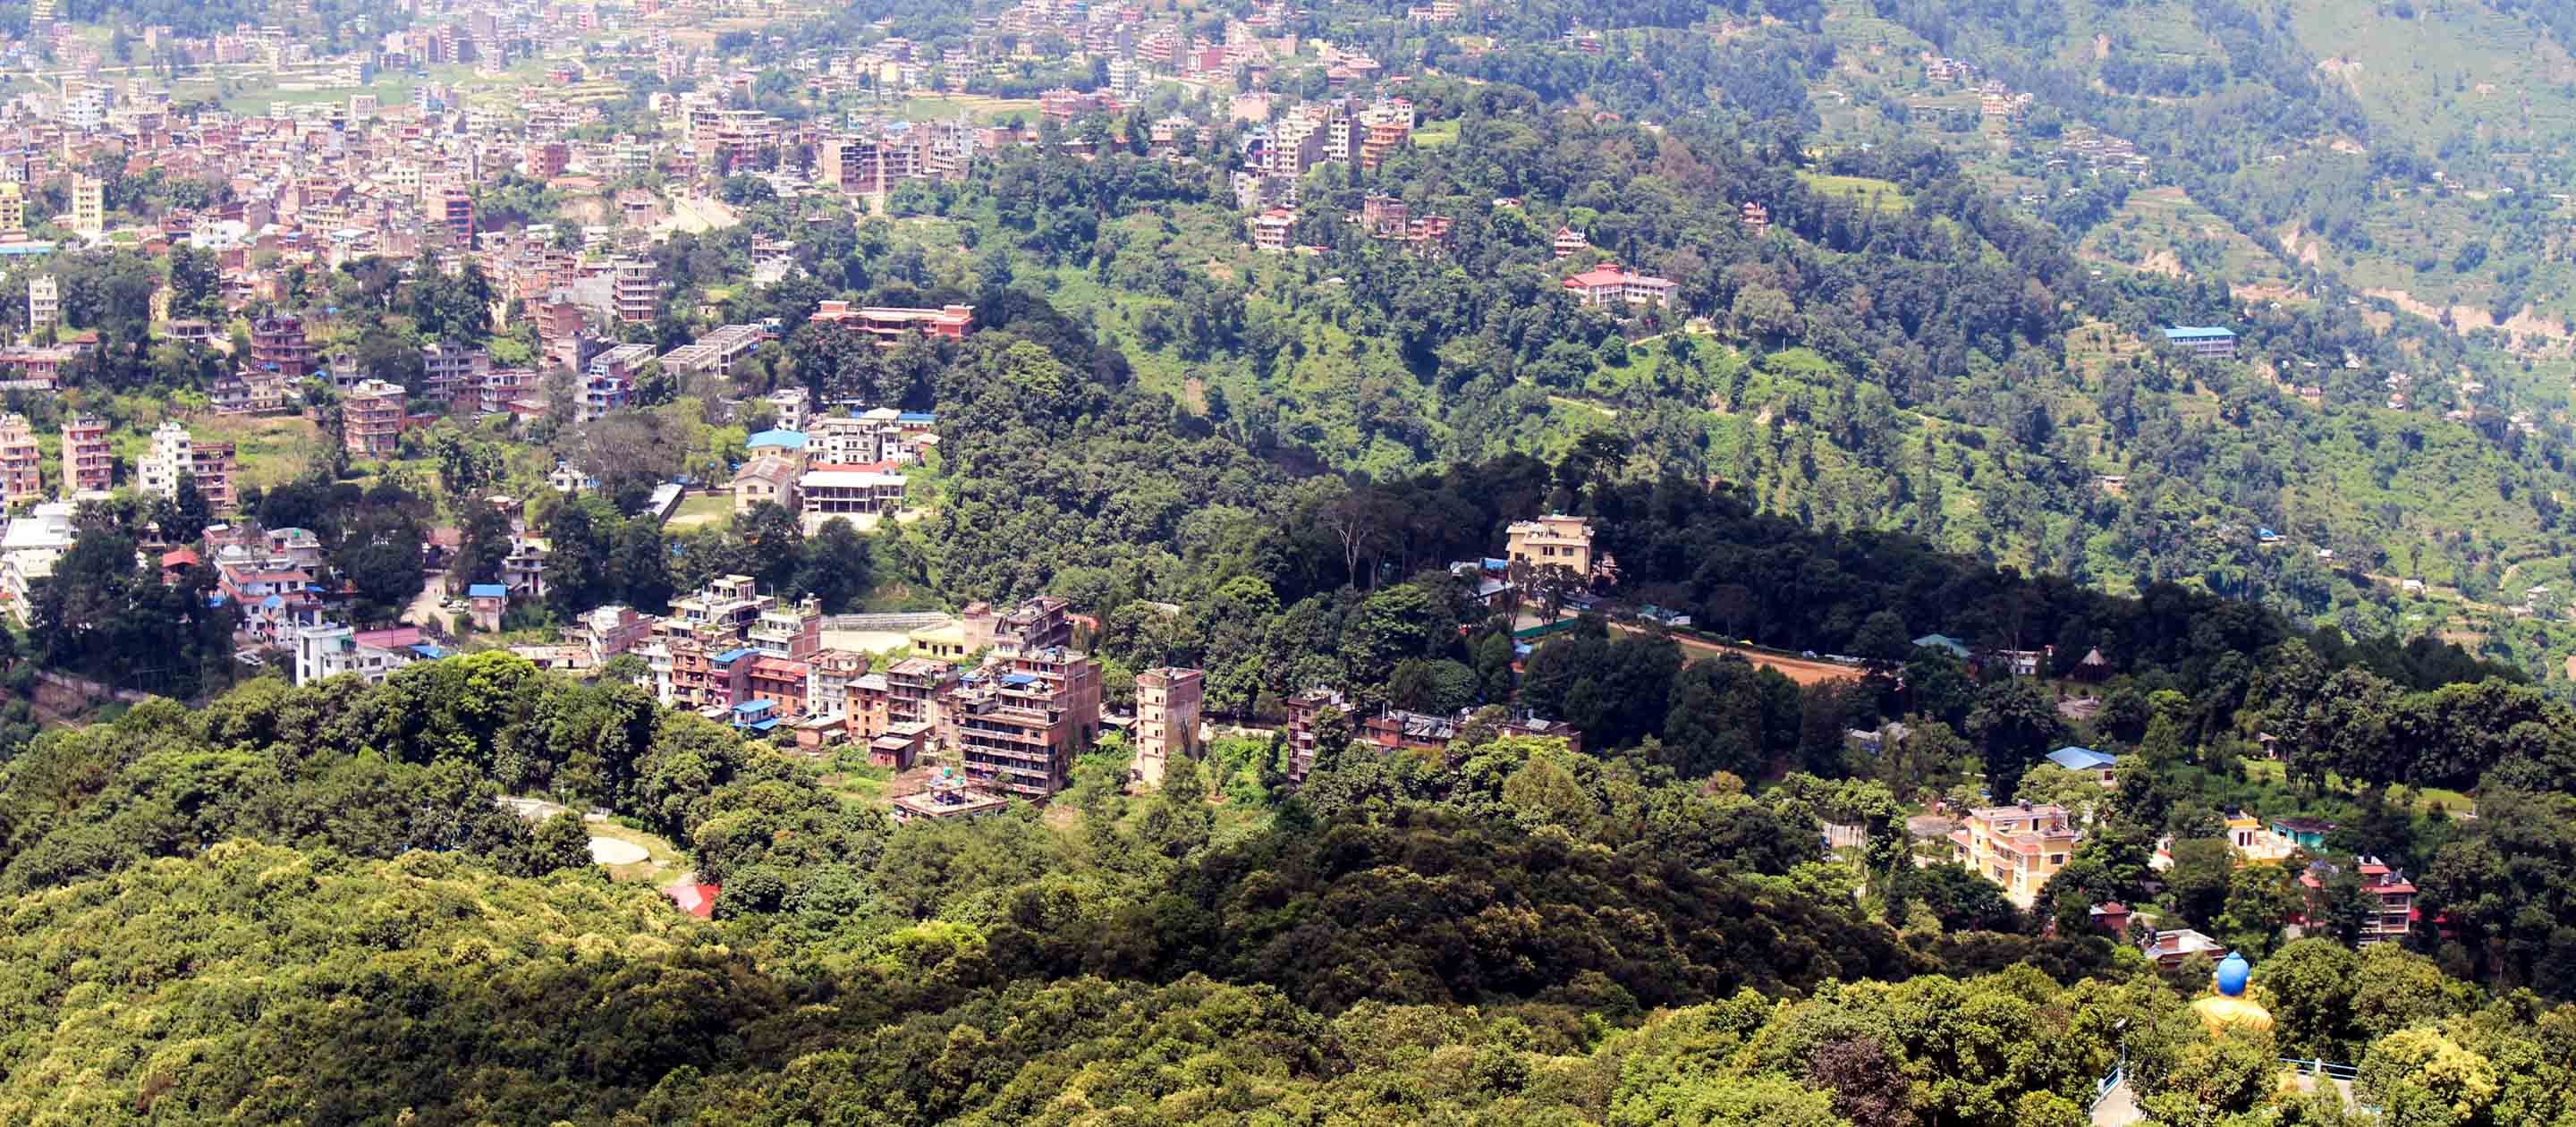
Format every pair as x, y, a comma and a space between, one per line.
1868, 190
662, 860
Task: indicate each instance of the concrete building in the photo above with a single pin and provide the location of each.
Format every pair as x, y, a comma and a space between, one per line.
855, 494
2390, 894
635, 289
22, 474
2205, 342
176, 453
1018, 722
327, 650
371, 419
1038, 623
1609, 286
890, 324
44, 302
277, 346
13, 207
452, 371
1275, 231
770, 479
2018, 847
1167, 719
1551, 539
89, 206
89, 462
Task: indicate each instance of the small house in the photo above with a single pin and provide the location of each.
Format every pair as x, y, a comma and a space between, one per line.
2099, 766
486, 603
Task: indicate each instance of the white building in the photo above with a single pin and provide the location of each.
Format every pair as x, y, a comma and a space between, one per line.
331, 649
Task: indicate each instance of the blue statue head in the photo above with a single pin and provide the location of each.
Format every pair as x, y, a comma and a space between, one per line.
2233, 971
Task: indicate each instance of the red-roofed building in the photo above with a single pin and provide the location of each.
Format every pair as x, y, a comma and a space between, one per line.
1608, 284
696, 899
2394, 894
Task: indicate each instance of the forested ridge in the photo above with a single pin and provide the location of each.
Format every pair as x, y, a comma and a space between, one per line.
1511, 933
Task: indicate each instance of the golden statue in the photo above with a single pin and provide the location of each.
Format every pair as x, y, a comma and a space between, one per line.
2229, 1008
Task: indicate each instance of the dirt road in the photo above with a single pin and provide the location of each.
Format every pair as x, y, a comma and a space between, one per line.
1798, 669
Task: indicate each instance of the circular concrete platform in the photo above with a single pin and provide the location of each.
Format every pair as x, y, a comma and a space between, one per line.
610, 851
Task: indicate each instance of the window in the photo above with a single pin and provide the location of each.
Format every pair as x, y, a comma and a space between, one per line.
2056, 858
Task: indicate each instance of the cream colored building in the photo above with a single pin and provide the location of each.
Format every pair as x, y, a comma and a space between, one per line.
1167, 719
2018, 847
1552, 539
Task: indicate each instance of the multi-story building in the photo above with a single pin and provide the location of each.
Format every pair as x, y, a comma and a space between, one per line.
454, 211
44, 302
1275, 231
2204, 341
450, 372
1018, 722
371, 418
1167, 719
2390, 896
1554, 539
1609, 286
89, 206
277, 346
727, 606
832, 683
173, 454
855, 494
2018, 847
1039, 623
13, 207
22, 474
791, 632
89, 463
325, 650
890, 324
634, 289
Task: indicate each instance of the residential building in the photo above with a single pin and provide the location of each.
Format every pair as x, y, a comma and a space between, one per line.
13, 207
44, 302
635, 289
792, 409
1275, 230
2018, 847
371, 418
612, 630
173, 454
89, 462
1554, 539
450, 372
1397, 729
831, 686
325, 650
523, 568
1018, 722
2171, 949
2389, 895
769, 479
453, 210
89, 206
1167, 719
22, 473
948, 797
486, 603
1305, 714
727, 606
1608, 285
278, 347
790, 632
1038, 623
2205, 342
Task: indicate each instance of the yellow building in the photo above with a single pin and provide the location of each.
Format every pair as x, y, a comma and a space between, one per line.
2018, 847
1551, 539
946, 643
89, 206
13, 208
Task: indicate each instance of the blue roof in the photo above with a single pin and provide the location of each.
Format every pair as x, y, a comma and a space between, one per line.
2081, 758
916, 417
1944, 642
1492, 564
1019, 679
487, 591
2199, 332
762, 725
273, 602
783, 439
428, 651
762, 704
736, 654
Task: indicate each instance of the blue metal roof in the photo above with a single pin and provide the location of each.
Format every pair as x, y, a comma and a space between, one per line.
783, 439
2199, 332
1019, 679
487, 591
756, 705
2081, 758
736, 654
916, 417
